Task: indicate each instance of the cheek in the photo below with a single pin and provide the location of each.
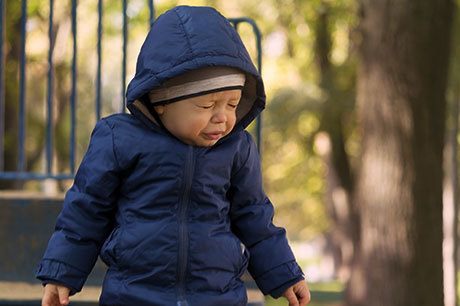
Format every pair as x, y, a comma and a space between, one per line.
231, 120
196, 125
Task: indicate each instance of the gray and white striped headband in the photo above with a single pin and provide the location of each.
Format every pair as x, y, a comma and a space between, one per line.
196, 83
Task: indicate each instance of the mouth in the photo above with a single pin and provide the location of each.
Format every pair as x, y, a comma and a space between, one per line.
213, 135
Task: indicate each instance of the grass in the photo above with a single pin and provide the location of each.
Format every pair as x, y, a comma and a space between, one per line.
323, 294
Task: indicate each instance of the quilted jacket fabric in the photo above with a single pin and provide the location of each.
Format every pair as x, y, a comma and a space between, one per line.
175, 224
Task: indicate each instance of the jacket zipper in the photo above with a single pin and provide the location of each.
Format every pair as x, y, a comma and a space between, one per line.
183, 229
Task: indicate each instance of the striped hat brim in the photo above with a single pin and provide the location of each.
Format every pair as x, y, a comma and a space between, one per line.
196, 83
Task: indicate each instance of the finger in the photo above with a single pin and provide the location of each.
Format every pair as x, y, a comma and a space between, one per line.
46, 300
49, 296
63, 295
291, 297
305, 297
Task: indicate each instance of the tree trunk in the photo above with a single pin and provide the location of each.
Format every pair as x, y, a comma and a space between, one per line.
401, 106
11, 92
339, 175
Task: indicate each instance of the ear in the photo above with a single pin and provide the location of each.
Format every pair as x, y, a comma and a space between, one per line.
160, 109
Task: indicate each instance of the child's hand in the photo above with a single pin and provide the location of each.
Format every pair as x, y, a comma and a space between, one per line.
298, 294
55, 295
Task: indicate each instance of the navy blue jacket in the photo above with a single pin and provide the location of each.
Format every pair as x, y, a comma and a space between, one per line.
175, 224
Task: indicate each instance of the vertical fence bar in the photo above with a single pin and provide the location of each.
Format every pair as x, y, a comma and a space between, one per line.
152, 12
236, 22
259, 67
2, 82
99, 60
73, 96
49, 124
22, 87
125, 44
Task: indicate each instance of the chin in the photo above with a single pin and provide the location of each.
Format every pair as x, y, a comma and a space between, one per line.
206, 143
209, 144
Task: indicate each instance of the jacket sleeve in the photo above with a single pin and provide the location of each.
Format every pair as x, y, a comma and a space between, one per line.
272, 263
85, 219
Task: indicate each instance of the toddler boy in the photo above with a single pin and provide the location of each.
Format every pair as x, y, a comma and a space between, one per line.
170, 196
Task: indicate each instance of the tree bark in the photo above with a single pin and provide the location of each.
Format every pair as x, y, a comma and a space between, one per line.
401, 107
11, 92
339, 178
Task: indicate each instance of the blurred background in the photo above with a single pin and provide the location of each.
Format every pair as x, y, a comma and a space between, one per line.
359, 140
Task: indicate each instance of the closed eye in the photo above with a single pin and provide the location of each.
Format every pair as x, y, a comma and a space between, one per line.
205, 106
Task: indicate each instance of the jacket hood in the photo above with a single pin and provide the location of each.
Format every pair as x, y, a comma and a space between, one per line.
188, 38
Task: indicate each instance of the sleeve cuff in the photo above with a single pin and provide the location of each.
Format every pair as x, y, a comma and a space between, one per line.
277, 292
279, 279
55, 272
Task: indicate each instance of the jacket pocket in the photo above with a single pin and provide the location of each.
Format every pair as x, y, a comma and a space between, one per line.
109, 250
243, 257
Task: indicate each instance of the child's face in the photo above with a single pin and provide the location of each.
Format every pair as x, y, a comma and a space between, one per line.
203, 120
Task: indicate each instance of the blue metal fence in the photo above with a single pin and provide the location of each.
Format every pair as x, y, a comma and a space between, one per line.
21, 173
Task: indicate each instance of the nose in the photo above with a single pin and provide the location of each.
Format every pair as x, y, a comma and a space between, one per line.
219, 117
